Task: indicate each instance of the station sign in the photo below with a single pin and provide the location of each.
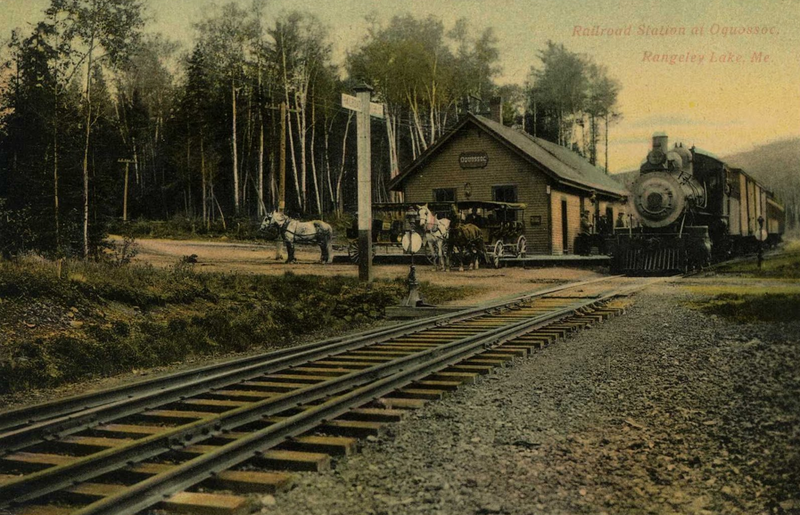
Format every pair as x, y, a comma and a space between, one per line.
467, 160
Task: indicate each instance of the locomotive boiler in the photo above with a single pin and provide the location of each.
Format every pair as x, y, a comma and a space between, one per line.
691, 208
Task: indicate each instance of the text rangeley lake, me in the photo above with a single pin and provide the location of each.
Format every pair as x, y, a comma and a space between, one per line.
715, 30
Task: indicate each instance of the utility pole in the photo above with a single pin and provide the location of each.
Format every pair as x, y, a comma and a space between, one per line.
125, 195
282, 177
364, 109
364, 92
284, 110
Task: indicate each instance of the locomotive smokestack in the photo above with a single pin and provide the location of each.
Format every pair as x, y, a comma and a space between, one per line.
661, 142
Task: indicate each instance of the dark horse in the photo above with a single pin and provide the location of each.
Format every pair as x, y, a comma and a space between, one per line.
294, 231
466, 240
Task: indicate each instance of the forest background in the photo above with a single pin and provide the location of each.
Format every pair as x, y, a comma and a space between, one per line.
87, 88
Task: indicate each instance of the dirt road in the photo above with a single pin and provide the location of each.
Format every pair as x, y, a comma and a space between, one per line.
227, 257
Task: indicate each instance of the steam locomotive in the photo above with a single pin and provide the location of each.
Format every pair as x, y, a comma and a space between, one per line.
692, 209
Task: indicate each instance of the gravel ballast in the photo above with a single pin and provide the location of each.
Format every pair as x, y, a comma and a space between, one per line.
662, 410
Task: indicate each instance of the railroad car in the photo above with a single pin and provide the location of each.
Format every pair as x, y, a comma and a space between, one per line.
690, 209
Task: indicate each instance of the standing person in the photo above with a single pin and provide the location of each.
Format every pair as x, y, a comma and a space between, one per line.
602, 225
583, 245
620, 224
586, 227
603, 229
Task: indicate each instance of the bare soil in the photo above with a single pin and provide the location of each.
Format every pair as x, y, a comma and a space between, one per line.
229, 257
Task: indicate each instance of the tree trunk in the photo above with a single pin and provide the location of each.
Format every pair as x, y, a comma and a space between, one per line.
55, 174
339, 201
328, 178
300, 117
317, 195
390, 136
86, 152
235, 153
261, 205
206, 219
288, 119
188, 198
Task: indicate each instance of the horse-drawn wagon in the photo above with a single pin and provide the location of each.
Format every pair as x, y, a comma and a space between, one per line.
497, 230
501, 224
389, 221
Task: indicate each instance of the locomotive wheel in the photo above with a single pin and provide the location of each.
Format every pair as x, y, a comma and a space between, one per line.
498, 253
522, 246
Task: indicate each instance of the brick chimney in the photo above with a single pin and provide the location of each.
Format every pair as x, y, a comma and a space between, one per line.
496, 109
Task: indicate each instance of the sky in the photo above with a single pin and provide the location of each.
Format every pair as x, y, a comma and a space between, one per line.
720, 74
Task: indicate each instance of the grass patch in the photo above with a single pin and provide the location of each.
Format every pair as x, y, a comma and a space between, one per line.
750, 308
785, 265
775, 297
89, 320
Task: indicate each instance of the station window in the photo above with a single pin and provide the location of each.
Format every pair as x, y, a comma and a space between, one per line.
444, 195
504, 193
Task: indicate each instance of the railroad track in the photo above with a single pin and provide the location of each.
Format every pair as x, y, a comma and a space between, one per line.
239, 426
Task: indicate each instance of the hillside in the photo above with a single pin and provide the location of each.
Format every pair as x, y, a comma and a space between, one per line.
776, 164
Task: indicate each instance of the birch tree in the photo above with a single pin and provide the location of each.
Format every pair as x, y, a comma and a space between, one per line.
226, 39
301, 53
106, 30
420, 72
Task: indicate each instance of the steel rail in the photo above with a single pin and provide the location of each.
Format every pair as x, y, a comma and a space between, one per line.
156, 488
57, 478
39, 412
51, 409
151, 394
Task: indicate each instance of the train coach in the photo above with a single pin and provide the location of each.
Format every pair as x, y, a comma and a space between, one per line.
693, 209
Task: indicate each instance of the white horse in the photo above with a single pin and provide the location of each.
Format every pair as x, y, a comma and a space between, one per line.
435, 233
294, 231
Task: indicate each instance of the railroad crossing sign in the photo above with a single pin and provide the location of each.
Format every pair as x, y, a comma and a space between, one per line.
354, 104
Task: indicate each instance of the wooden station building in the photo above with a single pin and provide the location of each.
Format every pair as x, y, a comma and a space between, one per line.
482, 160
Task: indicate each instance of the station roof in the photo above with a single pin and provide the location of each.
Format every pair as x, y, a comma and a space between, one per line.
561, 164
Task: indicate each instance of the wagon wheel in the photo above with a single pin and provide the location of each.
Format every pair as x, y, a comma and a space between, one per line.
522, 246
352, 251
498, 253
355, 254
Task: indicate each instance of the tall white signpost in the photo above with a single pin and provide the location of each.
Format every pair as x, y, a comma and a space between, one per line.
362, 105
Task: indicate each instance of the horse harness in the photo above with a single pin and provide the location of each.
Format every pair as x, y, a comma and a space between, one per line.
284, 229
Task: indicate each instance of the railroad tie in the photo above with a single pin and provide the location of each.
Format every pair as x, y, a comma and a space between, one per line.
293, 460
206, 504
